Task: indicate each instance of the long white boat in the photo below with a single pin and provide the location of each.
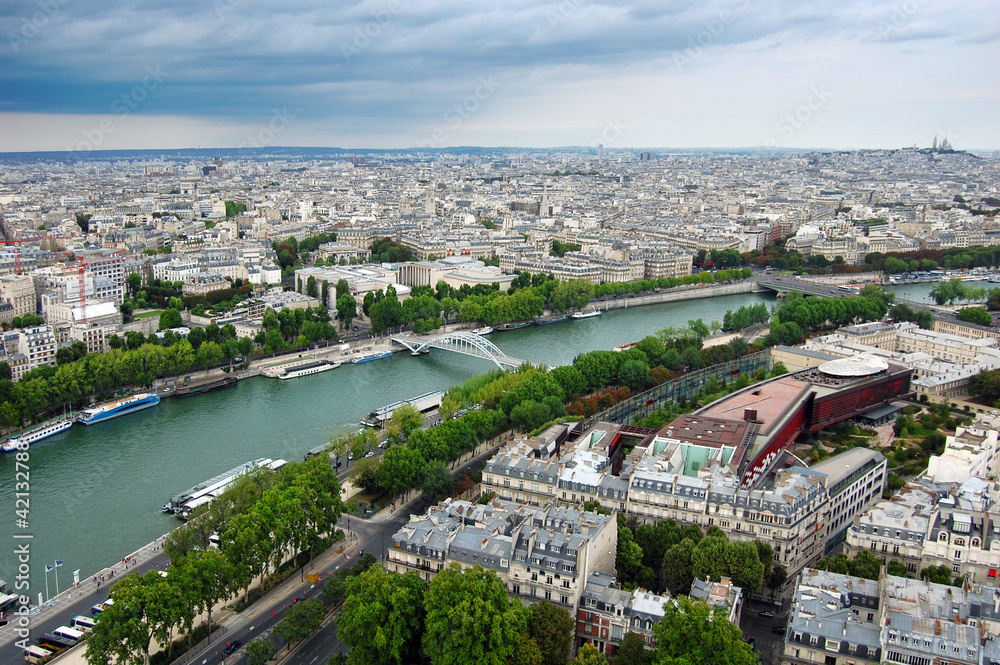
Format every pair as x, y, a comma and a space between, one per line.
310, 368
587, 315
422, 403
23, 439
485, 330
203, 493
116, 408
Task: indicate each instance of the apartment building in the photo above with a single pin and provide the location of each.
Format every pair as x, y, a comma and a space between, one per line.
539, 552
38, 345
894, 529
834, 620
204, 282
838, 620
665, 263
962, 534
94, 336
688, 472
19, 292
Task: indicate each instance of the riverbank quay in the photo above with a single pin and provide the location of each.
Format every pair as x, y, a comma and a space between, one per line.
79, 598
679, 293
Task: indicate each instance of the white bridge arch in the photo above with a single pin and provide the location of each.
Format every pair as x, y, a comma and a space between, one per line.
466, 343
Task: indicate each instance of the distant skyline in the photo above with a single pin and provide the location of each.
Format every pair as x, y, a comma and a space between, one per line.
95, 74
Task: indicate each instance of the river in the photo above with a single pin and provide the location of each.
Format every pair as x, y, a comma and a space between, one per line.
96, 492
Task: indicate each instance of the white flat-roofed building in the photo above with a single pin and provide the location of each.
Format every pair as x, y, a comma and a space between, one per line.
38, 345
854, 480
972, 451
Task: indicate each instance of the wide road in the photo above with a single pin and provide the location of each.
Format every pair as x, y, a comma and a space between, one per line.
374, 535
318, 648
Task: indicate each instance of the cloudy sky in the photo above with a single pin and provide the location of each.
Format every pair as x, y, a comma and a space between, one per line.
113, 74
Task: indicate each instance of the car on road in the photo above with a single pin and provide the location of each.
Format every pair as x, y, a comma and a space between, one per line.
767, 615
232, 646
778, 630
752, 642
369, 454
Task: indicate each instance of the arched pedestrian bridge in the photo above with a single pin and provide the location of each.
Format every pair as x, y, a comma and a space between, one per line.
462, 342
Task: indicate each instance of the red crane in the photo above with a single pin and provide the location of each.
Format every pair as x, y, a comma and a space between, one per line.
83, 293
83, 283
17, 251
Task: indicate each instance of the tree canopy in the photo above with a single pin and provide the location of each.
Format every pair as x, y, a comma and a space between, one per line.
692, 633
382, 619
470, 619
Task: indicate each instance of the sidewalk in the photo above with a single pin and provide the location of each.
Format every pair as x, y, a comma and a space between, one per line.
87, 588
235, 621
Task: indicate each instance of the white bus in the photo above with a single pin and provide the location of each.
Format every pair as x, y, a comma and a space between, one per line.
86, 624
33, 654
69, 633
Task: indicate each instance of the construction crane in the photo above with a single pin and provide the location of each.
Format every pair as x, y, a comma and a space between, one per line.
83, 283
17, 251
83, 293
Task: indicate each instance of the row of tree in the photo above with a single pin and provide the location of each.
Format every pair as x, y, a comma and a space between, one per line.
264, 518
646, 285
955, 289
294, 328
798, 315
745, 316
136, 360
